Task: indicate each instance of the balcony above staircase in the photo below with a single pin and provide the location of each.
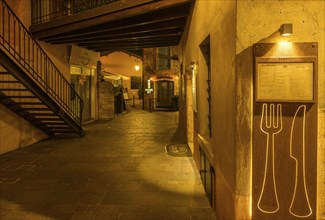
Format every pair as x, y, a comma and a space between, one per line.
118, 25
30, 84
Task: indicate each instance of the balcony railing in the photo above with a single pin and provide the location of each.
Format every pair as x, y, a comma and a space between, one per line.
47, 10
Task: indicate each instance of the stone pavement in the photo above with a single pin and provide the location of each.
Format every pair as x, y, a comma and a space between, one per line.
118, 171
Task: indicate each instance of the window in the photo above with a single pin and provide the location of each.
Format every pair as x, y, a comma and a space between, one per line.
164, 58
135, 82
205, 49
207, 174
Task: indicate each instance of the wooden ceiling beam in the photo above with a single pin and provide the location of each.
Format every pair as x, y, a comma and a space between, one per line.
117, 44
104, 19
177, 25
176, 32
133, 24
160, 37
171, 13
130, 47
131, 41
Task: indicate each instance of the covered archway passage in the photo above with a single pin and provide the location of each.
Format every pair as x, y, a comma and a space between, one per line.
120, 25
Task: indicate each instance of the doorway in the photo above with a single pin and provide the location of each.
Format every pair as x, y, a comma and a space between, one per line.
164, 94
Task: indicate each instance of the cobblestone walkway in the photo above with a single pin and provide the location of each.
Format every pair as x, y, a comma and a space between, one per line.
118, 171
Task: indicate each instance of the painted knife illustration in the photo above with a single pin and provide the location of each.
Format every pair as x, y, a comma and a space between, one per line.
300, 205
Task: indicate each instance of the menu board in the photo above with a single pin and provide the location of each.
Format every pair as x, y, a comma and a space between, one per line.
285, 81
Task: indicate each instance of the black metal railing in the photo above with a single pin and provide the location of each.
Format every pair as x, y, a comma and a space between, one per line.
43, 11
20, 46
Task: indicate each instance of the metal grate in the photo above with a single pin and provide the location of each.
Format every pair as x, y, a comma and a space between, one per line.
178, 150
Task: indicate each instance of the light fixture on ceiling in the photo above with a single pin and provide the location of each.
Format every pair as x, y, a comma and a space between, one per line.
286, 29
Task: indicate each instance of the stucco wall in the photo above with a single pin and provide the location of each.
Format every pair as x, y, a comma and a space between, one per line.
217, 19
15, 132
234, 26
258, 22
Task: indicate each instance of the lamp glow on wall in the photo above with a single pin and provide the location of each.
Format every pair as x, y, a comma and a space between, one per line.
285, 47
286, 30
137, 66
194, 86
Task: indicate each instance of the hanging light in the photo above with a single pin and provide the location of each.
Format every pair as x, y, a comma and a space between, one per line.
137, 66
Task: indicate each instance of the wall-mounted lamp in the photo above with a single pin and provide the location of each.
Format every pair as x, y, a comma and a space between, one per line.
286, 29
191, 66
137, 66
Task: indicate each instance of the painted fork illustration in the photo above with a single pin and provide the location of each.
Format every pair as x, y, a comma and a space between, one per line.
271, 124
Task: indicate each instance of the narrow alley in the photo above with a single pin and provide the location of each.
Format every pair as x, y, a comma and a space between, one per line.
119, 170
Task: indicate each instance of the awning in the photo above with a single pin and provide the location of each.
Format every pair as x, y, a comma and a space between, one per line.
114, 76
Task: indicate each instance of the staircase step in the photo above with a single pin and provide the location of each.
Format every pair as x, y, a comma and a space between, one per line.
42, 114
45, 120
60, 128
54, 123
37, 109
22, 96
8, 81
27, 103
13, 89
5, 73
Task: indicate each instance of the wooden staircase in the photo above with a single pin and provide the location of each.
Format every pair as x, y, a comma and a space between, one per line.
30, 84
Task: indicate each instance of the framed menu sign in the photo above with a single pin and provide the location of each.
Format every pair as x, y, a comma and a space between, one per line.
285, 79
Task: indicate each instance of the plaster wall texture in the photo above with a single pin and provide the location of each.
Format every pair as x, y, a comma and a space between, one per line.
258, 22
217, 19
189, 114
59, 55
15, 132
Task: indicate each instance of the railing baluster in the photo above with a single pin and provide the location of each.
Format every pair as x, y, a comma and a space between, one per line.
24, 43
29, 51
9, 32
